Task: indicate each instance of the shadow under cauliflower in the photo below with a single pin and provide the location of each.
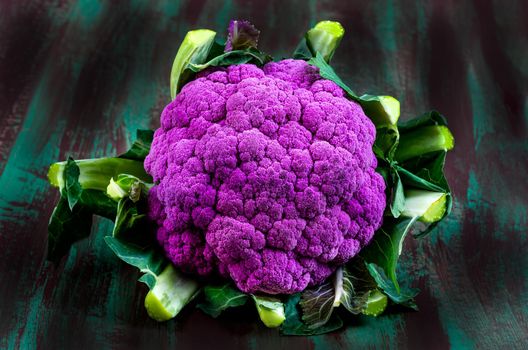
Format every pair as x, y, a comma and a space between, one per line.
266, 176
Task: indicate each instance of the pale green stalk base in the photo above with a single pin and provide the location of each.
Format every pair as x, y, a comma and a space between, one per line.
270, 310
325, 37
382, 110
114, 191
170, 294
121, 187
194, 49
96, 173
376, 303
426, 205
424, 140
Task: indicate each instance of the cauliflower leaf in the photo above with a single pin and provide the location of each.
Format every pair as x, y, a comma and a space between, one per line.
241, 35
293, 324
219, 298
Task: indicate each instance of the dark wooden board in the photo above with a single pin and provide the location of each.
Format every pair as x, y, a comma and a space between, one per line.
78, 77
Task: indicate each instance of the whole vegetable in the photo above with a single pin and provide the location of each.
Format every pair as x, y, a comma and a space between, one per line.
274, 175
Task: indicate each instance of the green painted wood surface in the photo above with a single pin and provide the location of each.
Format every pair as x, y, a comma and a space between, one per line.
78, 77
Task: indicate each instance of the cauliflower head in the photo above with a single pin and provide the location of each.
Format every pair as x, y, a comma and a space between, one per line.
265, 176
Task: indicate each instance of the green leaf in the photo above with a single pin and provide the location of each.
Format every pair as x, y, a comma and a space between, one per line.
230, 58
394, 189
426, 119
430, 168
379, 153
327, 72
386, 247
66, 227
293, 325
141, 146
149, 260
130, 224
387, 138
357, 285
397, 204
98, 203
72, 186
302, 51
433, 170
69, 226
317, 305
217, 49
226, 59
399, 294
412, 180
148, 279
384, 171
219, 298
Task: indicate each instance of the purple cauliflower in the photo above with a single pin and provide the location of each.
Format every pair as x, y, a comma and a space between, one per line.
265, 176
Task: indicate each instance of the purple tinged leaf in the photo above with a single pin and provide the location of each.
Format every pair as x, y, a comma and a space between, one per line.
317, 305
241, 35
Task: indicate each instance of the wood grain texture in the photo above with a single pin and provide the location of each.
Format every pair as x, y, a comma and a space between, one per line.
78, 77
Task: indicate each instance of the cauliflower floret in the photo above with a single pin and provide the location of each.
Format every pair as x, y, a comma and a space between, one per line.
265, 176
